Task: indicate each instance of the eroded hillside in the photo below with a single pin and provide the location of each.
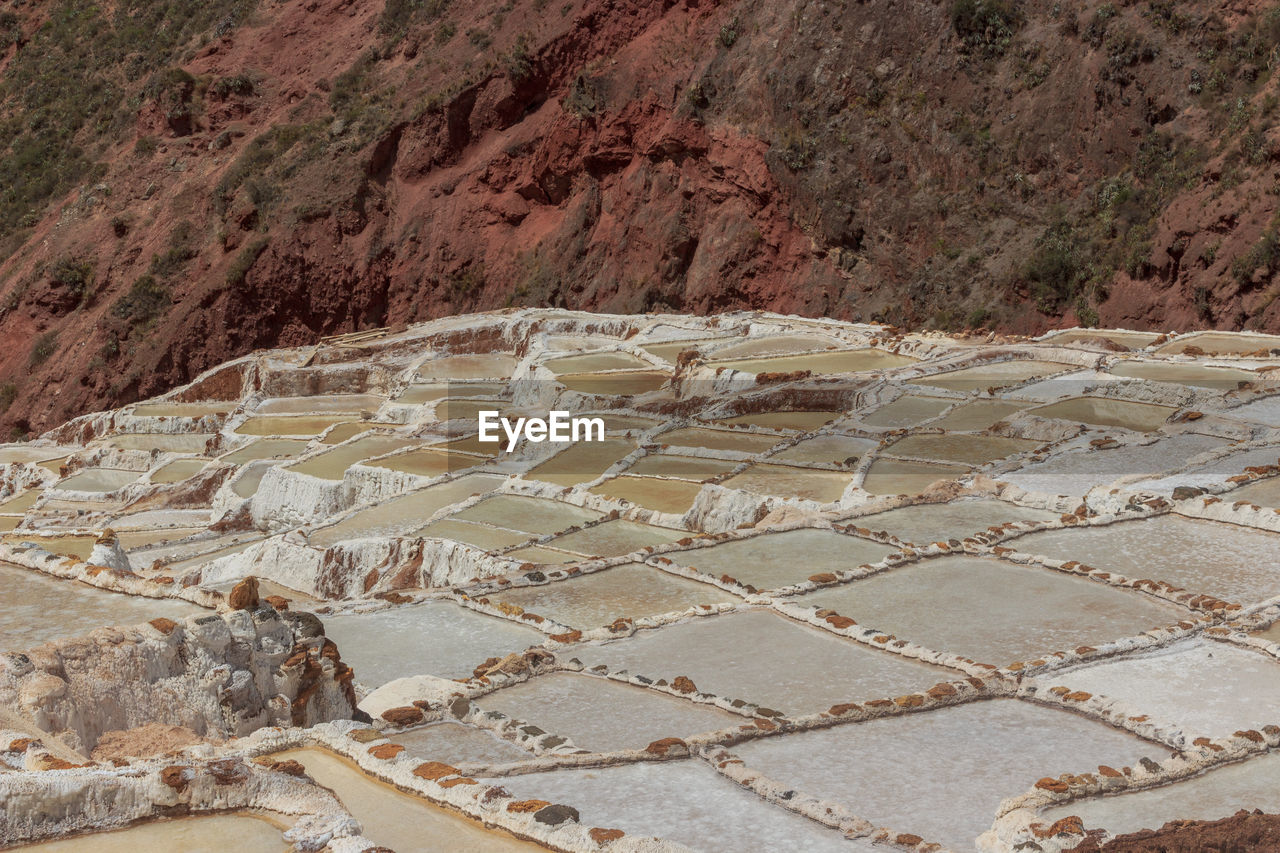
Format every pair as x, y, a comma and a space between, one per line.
181, 183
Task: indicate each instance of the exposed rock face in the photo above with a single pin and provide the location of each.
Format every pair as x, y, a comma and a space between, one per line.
220, 675
1241, 832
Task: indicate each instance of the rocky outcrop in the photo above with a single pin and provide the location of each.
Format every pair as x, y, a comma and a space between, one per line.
220, 675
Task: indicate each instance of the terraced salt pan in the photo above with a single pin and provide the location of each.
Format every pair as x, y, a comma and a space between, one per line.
1263, 411
786, 481
963, 449
26, 619
393, 819
683, 467
674, 496
348, 403
799, 420
455, 743
418, 394
1201, 376
266, 448
178, 470
164, 409
133, 540
761, 657
599, 598
780, 559
1214, 472
682, 801
1231, 562
22, 502
333, 464
596, 361
615, 538
603, 715
902, 477
1079, 470
942, 774
1131, 340
992, 611
1234, 688
97, 480
826, 449
435, 638
480, 366
623, 384
534, 515
581, 462
308, 425
427, 461
70, 546
1102, 411
998, 374
186, 442
926, 523
244, 833
847, 361
9, 522
1226, 344
29, 455
718, 439
401, 515
1263, 493
344, 431
543, 556
669, 352
775, 344
979, 414
480, 535
246, 484
906, 411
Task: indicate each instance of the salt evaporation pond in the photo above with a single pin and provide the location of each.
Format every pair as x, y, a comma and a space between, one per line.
761, 657
266, 448
907, 411
802, 421
26, 621
166, 409
595, 362
904, 477
21, 503
979, 414
808, 484
846, 361
927, 523
435, 638
1102, 411
1234, 688
1131, 340
402, 515
534, 515
962, 449
775, 344
1213, 472
244, 833
1251, 784
307, 425
1077, 471
1196, 375
621, 384
603, 715
599, 598
682, 801
1225, 560
582, 462
478, 366
682, 467
178, 470
347, 403
770, 561
1229, 343
1263, 493
98, 480
615, 538
942, 774
167, 442
834, 449
333, 464
455, 743
400, 821
662, 495
483, 536
995, 374
992, 611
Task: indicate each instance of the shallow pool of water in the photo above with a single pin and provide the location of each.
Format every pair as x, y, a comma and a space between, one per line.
673, 496
595, 361
454, 743
333, 464
98, 480
349, 403
402, 515
633, 590
623, 384
847, 361
435, 638
718, 439
394, 819
1100, 411
26, 620
1205, 688
900, 477
482, 536
761, 657
993, 375
1227, 344
1132, 340
535, 515
942, 774
785, 481
1251, 784
682, 467
907, 411
416, 395
963, 449
266, 448
482, 366
582, 462
926, 523
342, 432
186, 442
1077, 471
769, 344
979, 414
178, 470
427, 461
992, 611
615, 538
780, 559
308, 425
826, 449
163, 409
1232, 562
244, 833
1202, 376
669, 351
799, 420
686, 802
1263, 493
21, 503
603, 715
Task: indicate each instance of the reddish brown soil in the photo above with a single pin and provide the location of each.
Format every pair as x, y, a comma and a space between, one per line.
852, 160
1245, 832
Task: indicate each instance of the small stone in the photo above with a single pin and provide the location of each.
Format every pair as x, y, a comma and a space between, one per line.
404, 716
244, 595
386, 751
525, 806
683, 684
556, 815
604, 836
